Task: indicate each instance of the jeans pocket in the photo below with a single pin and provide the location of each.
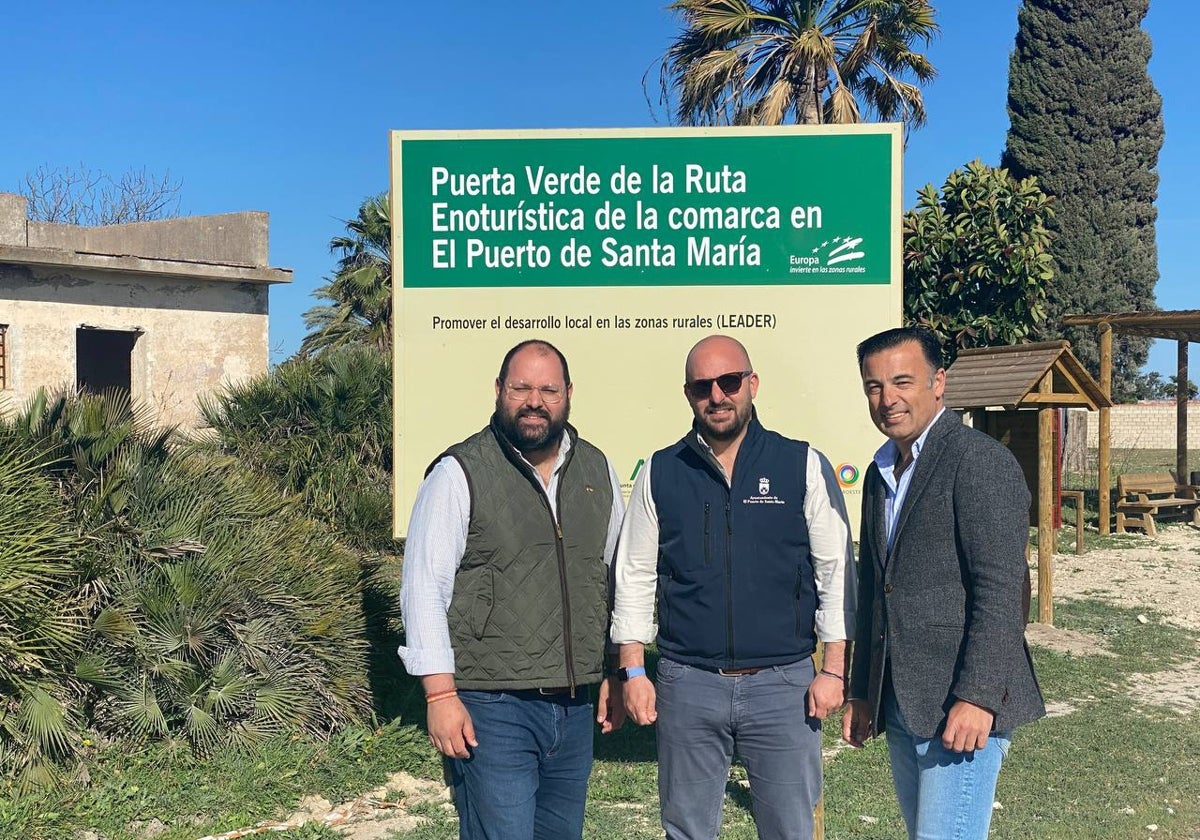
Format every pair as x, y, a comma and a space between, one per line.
668, 671
1003, 741
797, 674
480, 697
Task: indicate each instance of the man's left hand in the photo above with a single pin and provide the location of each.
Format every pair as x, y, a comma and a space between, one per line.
610, 706
967, 727
825, 696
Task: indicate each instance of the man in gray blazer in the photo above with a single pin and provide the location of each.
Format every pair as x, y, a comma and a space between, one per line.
941, 663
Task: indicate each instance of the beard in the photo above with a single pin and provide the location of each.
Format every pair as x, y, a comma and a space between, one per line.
531, 439
725, 432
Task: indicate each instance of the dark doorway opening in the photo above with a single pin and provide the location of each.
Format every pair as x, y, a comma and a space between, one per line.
103, 359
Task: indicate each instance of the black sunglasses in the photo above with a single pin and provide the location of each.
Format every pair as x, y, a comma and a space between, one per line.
729, 383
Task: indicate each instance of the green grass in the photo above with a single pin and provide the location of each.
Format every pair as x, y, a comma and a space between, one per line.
1067, 777
1073, 776
194, 797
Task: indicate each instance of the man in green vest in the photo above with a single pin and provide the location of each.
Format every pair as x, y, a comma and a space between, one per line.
505, 604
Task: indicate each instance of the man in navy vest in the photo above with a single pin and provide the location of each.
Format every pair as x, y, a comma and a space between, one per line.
743, 535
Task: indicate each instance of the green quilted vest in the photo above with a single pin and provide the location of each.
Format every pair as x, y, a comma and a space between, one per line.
530, 603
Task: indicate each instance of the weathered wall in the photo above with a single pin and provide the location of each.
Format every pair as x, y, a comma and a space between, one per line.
228, 239
197, 335
1145, 426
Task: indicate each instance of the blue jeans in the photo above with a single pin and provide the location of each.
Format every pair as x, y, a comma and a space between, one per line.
943, 795
528, 776
705, 719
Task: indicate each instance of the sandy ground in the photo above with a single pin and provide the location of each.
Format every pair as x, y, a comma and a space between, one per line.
1160, 576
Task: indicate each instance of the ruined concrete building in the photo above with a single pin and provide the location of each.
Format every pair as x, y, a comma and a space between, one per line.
165, 310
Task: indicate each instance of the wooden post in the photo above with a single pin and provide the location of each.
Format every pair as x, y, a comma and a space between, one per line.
1181, 414
1046, 504
1105, 442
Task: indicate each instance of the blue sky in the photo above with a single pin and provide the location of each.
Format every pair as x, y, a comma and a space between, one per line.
286, 107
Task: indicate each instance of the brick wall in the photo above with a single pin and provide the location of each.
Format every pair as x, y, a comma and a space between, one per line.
1145, 426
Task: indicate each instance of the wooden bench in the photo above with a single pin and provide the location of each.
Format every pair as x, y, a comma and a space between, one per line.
1143, 496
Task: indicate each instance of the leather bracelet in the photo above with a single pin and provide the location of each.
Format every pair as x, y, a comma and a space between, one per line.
831, 674
441, 695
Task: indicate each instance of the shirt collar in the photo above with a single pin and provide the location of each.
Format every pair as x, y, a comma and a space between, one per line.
564, 446
887, 455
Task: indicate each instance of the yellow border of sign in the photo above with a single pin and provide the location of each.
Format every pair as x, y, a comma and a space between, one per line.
402, 498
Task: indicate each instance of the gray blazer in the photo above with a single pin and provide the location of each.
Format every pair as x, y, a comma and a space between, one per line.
946, 606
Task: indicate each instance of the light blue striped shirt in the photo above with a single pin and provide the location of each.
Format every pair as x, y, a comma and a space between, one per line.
886, 458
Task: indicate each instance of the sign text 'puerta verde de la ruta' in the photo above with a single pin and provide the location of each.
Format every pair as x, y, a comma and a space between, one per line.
665, 211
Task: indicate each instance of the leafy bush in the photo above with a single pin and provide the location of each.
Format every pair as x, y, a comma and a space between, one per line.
320, 427
976, 258
207, 605
41, 626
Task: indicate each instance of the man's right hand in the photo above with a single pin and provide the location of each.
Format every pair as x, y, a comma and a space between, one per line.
450, 728
639, 700
856, 722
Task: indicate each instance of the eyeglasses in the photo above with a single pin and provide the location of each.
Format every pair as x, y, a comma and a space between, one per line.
729, 383
519, 393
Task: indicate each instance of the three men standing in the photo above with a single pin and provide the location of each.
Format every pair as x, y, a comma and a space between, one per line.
941, 663
742, 532
505, 603
738, 537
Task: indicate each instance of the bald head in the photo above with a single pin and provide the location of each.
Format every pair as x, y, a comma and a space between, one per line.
715, 351
720, 385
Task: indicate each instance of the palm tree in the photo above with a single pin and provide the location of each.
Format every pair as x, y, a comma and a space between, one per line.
42, 626
319, 427
155, 590
361, 290
767, 62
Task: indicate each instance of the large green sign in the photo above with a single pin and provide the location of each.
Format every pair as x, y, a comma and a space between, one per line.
667, 210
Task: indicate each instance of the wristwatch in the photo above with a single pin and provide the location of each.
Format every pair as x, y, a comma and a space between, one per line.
626, 674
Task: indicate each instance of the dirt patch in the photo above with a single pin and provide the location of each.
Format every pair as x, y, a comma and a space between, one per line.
1065, 641
1177, 690
1058, 708
375, 815
1160, 573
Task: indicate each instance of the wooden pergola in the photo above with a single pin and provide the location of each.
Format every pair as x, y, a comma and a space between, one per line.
1182, 326
1044, 376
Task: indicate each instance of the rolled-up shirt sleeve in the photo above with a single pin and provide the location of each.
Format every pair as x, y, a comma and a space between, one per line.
437, 539
832, 550
636, 567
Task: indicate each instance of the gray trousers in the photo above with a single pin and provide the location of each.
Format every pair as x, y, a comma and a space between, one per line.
706, 719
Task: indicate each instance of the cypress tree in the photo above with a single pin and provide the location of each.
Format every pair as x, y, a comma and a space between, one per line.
1086, 119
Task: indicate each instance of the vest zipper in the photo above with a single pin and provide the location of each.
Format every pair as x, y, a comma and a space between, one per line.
707, 535
562, 582
729, 580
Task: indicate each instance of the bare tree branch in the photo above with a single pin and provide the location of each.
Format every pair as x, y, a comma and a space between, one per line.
81, 196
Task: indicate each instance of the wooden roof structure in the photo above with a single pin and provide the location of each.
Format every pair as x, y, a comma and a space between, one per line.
1010, 377
1178, 325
